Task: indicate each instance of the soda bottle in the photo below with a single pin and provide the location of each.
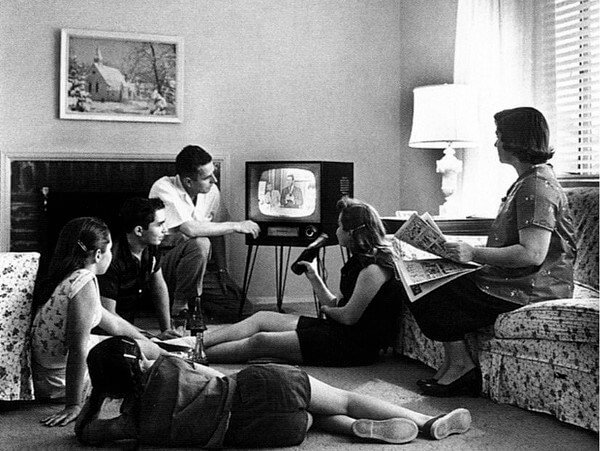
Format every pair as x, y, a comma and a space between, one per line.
309, 254
197, 328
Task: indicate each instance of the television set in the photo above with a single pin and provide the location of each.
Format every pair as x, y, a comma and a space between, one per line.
294, 202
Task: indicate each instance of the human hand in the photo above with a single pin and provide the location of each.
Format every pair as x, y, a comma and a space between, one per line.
167, 334
459, 251
248, 227
62, 418
311, 269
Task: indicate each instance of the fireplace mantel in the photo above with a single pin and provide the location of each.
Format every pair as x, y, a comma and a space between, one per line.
7, 158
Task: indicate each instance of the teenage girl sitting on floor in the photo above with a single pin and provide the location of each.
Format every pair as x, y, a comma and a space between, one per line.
356, 326
71, 308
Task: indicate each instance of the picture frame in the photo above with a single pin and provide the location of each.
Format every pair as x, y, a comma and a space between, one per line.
115, 76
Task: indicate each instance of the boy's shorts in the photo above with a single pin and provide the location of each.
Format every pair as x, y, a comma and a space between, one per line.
269, 407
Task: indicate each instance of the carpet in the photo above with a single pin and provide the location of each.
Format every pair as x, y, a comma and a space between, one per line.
495, 427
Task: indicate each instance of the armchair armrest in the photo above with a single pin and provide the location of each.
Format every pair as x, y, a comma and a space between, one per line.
570, 320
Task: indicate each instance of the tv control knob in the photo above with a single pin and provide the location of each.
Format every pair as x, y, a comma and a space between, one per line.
310, 231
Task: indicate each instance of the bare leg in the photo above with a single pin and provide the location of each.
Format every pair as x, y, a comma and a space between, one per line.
340, 411
445, 365
259, 322
336, 424
278, 345
334, 402
459, 361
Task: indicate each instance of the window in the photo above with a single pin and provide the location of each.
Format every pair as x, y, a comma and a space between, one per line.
571, 88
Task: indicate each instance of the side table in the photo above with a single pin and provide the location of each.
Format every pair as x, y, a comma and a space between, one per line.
448, 226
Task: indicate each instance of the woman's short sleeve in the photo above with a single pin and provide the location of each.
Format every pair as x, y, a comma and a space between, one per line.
538, 203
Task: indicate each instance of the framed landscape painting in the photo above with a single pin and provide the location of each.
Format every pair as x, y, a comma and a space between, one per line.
109, 76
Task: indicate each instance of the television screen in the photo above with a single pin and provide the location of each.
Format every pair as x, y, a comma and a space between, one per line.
287, 193
283, 191
293, 202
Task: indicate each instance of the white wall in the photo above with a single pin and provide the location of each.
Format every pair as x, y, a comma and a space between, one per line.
427, 55
264, 79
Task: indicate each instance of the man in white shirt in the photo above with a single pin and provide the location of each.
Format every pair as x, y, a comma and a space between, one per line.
193, 215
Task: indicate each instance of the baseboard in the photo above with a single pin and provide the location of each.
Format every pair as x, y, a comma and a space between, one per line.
258, 300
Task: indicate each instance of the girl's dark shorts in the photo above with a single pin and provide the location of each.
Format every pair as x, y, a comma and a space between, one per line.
327, 343
269, 407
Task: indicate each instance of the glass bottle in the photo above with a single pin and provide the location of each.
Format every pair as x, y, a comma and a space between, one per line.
197, 328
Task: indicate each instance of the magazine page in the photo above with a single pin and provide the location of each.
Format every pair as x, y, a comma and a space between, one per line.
419, 290
175, 344
429, 220
409, 252
422, 271
417, 232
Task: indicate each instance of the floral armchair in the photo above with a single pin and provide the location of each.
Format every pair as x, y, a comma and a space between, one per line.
544, 356
17, 278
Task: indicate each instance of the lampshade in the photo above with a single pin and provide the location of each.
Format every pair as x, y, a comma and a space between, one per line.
443, 116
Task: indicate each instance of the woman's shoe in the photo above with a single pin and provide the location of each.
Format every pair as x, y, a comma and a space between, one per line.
393, 430
456, 422
428, 381
468, 384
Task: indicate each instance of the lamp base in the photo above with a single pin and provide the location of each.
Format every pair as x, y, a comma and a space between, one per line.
449, 166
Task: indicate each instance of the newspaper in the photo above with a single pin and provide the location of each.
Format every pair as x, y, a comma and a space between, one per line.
425, 264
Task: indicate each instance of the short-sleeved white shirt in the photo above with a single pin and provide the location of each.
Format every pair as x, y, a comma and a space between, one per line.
179, 206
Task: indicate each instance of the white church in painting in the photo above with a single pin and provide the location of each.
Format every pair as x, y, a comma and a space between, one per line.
108, 84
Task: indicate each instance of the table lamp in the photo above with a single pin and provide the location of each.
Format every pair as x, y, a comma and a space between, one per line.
445, 117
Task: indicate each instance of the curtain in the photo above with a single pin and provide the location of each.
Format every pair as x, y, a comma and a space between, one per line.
497, 51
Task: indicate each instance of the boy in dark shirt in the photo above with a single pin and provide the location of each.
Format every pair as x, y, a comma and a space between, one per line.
135, 273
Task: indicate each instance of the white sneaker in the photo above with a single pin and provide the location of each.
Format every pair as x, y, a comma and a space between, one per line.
394, 430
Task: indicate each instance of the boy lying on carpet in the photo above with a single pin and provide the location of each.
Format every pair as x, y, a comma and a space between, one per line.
173, 402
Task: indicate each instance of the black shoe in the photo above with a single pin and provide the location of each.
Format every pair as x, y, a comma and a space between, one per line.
468, 384
428, 381
456, 422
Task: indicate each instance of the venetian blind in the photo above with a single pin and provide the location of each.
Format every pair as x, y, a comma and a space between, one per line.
571, 88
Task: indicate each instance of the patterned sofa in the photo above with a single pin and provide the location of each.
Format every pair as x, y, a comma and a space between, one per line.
541, 357
17, 278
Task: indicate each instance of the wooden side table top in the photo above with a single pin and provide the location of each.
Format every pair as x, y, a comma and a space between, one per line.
449, 226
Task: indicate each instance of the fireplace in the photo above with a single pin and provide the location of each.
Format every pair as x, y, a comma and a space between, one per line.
45, 194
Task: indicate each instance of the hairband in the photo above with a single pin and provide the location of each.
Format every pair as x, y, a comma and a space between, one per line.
357, 228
